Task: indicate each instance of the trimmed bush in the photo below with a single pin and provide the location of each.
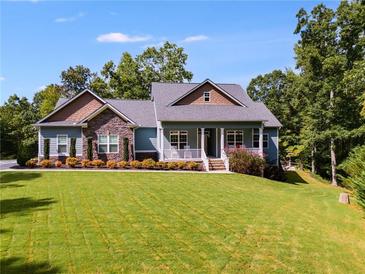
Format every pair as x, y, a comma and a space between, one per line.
135, 164
243, 161
171, 165
73, 147
126, 149
46, 163
98, 163
111, 164
148, 163
46, 149
31, 163
90, 148
123, 164
85, 163
161, 165
192, 165
71, 161
181, 165
26, 150
58, 163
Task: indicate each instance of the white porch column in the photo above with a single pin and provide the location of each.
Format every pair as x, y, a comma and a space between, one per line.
222, 140
261, 141
162, 144
202, 140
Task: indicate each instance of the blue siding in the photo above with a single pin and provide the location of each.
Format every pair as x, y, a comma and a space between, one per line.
145, 139
272, 151
52, 132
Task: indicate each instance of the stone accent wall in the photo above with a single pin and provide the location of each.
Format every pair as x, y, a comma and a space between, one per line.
78, 109
107, 122
216, 97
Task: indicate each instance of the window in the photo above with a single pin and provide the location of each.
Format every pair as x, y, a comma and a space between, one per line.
234, 138
62, 143
108, 144
256, 139
178, 139
206, 96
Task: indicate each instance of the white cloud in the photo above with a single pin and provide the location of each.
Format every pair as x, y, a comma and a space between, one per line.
69, 19
195, 38
2, 78
118, 37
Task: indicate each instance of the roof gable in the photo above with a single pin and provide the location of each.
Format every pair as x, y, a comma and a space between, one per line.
76, 108
219, 96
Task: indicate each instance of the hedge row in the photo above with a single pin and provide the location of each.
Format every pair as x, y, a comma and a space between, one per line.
111, 164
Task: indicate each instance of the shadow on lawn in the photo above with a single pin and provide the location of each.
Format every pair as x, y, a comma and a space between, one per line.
7, 179
23, 205
294, 178
18, 265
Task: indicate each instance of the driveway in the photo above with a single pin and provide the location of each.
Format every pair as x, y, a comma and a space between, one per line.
6, 164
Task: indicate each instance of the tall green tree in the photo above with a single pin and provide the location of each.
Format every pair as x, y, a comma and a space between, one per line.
45, 100
76, 79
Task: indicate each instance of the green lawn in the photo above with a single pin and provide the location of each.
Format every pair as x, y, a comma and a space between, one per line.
82, 222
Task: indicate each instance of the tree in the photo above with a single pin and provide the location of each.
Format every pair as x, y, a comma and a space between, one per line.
76, 79
45, 100
328, 47
125, 80
16, 118
164, 64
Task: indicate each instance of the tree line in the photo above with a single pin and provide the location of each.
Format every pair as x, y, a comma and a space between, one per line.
321, 103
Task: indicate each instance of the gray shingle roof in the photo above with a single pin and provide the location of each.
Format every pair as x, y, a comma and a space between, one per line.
165, 93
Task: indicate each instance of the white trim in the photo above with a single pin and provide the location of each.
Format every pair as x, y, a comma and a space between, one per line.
263, 141
178, 137
107, 105
204, 95
39, 143
216, 142
145, 151
134, 144
67, 145
71, 100
108, 144
214, 85
235, 136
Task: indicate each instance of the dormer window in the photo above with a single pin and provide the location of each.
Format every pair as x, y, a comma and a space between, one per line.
206, 96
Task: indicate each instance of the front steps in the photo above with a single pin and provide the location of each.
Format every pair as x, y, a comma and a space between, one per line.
216, 164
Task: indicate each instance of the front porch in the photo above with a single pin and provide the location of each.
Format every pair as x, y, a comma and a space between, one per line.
178, 143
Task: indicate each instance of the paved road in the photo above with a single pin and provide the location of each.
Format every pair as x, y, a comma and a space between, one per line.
5, 164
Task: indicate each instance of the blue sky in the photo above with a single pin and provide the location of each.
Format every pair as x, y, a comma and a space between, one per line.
226, 41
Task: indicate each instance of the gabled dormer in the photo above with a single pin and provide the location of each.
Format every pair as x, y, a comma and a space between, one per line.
207, 93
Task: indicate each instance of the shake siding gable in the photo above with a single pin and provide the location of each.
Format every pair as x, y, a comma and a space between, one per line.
197, 97
78, 109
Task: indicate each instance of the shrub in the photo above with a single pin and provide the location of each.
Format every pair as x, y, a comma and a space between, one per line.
111, 164
31, 163
26, 150
73, 147
71, 161
172, 165
46, 163
135, 164
181, 165
126, 149
243, 161
161, 165
148, 163
90, 148
354, 166
85, 163
97, 163
123, 164
46, 149
58, 163
192, 165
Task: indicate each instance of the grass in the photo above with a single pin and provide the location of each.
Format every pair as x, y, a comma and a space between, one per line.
86, 222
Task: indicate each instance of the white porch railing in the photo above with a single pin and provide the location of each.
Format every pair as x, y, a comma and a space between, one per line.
182, 154
205, 160
225, 159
